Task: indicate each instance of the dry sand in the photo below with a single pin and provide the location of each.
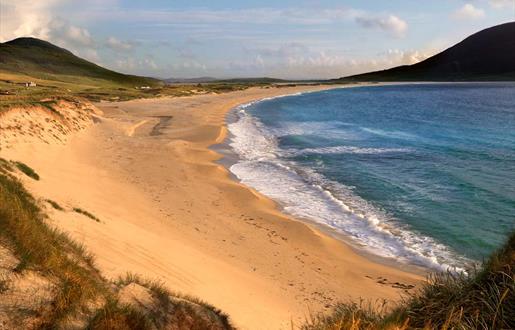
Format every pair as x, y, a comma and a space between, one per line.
167, 211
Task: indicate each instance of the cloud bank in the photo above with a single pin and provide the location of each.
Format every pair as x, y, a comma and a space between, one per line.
301, 41
469, 12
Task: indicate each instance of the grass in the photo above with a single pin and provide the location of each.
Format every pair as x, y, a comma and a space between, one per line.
28, 171
177, 306
55, 205
45, 250
86, 213
60, 74
483, 299
79, 289
43, 60
158, 290
115, 316
55, 87
4, 285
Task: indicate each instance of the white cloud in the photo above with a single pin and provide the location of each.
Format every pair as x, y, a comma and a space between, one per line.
391, 24
89, 54
25, 18
502, 3
405, 57
259, 61
62, 32
302, 62
150, 63
133, 64
28, 18
469, 12
118, 45
64, 22
206, 20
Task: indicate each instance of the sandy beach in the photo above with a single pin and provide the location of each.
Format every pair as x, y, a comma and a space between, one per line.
168, 211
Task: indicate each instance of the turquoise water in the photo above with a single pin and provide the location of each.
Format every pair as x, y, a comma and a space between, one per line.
424, 174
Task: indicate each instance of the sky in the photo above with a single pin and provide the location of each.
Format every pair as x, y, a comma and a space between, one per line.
303, 39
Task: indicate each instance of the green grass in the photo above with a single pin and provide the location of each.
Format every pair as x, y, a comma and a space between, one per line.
86, 213
60, 74
483, 299
28, 171
43, 60
95, 90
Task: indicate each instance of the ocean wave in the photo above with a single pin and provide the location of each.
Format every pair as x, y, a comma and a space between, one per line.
390, 134
328, 129
306, 194
341, 150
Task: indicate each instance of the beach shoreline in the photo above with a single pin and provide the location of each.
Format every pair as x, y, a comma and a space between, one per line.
229, 157
169, 211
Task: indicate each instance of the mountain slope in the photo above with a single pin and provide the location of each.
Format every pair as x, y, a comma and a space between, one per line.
41, 59
485, 55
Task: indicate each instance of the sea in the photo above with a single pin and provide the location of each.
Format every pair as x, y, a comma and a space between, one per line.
418, 174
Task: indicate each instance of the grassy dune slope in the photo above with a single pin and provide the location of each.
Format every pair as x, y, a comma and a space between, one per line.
485, 299
47, 281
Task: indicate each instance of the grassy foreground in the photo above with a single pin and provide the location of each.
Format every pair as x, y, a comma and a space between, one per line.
76, 295
485, 299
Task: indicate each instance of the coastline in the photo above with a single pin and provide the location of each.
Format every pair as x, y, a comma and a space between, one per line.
169, 212
230, 157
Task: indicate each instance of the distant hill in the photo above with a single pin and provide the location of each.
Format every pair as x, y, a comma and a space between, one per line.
485, 55
189, 80
41, 59
251, 80
257, 80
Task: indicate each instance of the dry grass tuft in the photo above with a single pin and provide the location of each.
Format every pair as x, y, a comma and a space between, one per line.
47, 251
79, 293
114, 316
55, 205
86, 213
173, 308
483, 299
28, 171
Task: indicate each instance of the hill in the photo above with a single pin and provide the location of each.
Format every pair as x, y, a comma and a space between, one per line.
257, 80
485, 55
189, 80
41, 59
59, 74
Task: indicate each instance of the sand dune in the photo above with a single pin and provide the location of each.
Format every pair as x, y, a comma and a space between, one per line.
167, 211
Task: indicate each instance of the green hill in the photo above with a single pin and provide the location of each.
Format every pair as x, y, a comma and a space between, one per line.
43, 60
486, 55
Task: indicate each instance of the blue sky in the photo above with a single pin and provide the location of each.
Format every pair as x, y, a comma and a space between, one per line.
287, 39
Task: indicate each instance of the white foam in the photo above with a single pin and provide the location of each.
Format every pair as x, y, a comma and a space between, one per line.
306, 194
341, 150
390, 134
331, 129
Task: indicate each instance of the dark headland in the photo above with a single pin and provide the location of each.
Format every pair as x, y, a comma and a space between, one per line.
488, 55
